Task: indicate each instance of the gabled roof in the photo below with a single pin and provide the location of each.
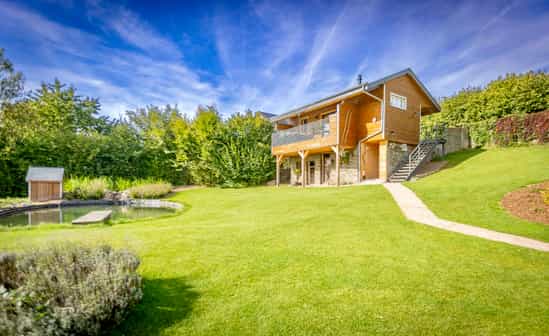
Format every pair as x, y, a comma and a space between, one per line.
48, 174
368, 87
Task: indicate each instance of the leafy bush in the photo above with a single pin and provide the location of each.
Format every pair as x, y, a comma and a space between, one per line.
433, 130
67, 290
121, 184
86, 188
155, 190
238, 153
478, 109
95, 188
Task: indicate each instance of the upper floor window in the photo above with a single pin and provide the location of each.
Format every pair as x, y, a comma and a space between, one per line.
398, 101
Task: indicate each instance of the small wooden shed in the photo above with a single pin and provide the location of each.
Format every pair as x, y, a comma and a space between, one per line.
45, 183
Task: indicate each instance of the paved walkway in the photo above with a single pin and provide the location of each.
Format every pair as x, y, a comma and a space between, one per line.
414, 209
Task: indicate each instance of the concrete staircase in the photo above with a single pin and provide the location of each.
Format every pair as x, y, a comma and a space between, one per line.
408, 166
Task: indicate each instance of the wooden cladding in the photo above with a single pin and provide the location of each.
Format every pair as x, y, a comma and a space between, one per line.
403, 125
360, 116
44, 191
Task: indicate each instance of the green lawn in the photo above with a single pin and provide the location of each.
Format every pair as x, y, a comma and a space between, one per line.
330, 261
470, 191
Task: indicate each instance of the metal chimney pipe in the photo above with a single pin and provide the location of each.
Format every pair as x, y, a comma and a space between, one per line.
359, 79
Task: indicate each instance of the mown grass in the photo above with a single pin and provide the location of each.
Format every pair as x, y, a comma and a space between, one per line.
267, 261
471, 189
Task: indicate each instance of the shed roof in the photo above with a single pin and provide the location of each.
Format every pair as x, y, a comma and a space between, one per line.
49, 174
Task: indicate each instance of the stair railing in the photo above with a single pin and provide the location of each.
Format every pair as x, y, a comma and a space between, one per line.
415, 155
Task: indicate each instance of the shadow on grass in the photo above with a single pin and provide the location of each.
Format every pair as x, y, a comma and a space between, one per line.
457, 158
165, 303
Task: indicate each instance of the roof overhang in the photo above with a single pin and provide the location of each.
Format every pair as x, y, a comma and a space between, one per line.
355, 91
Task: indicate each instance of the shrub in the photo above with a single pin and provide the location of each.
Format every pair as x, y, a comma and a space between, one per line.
154, 190
67, 290
433, 130
523, 128
121, 184
85, 187
478, 108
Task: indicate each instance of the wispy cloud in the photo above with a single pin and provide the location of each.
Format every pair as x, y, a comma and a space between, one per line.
267, 55
122, 79
132, 29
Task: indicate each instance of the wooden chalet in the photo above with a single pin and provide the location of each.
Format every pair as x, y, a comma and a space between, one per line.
359, 134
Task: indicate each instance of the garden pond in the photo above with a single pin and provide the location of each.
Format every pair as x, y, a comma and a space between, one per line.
66, 214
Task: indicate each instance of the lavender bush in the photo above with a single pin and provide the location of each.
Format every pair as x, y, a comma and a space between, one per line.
67, 290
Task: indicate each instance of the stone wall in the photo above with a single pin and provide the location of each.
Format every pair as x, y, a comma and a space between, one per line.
395, 153
294, 163
347, 173
457, 139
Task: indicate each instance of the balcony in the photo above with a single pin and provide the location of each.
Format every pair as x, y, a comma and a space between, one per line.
310, 133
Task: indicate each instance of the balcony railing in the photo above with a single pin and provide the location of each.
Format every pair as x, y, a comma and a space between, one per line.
320, 128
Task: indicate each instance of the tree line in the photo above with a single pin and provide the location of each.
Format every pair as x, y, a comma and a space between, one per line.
54, 126
479, 108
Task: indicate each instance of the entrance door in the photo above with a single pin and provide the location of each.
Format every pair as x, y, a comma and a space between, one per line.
326, 165
311, 172
369, 161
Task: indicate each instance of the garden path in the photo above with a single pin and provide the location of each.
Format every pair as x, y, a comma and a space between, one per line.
414, 209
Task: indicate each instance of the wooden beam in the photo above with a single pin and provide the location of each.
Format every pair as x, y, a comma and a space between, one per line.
303, 171
278, 170
303, 154
336, 151
279, 160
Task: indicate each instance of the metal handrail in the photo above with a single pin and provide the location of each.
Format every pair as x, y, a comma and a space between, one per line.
414, 155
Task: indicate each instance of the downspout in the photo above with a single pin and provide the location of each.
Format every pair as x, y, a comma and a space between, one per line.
337, 123
381, 131
338, 158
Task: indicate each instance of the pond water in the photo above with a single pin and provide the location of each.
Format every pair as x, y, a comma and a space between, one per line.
68, 213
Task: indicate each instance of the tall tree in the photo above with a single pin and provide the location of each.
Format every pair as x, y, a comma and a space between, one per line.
11, 81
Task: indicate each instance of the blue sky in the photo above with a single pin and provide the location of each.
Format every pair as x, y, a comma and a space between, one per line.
265, 55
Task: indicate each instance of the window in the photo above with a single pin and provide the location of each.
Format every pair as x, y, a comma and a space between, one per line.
398, 101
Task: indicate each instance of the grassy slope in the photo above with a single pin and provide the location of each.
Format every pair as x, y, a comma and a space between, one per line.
471, 190
316, 261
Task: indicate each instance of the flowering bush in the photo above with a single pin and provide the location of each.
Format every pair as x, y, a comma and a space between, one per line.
67, 290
